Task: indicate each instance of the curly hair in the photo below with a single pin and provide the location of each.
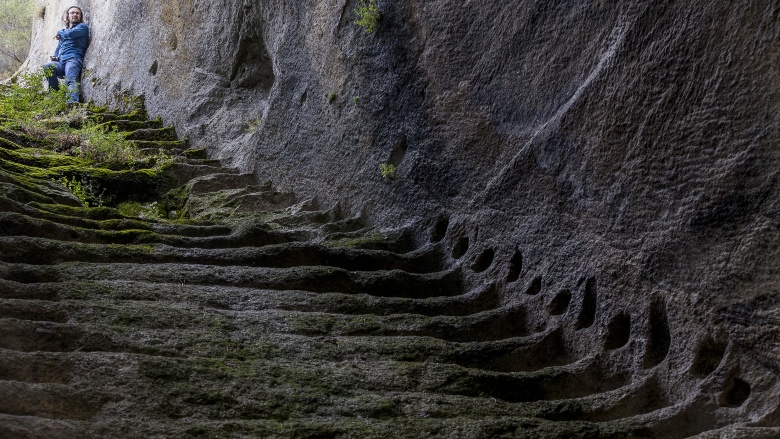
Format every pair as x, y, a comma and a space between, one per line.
66, 18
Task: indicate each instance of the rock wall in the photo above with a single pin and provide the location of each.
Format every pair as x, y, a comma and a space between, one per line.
625, 151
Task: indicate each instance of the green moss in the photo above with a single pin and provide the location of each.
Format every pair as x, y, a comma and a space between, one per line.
153, 134
123, 224
102, 115
40, 158
130, 125
7, 144
173, 201
91, 213
118, 186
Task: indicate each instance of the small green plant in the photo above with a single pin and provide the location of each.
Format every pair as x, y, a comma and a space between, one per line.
355, 100
368, 15
106, 146
84, 190
332, 97
387, 170
162, 160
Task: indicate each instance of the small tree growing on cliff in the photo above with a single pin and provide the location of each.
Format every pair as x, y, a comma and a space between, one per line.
368, 15
15, 27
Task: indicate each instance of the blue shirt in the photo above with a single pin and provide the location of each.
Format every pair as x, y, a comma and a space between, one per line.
73, 42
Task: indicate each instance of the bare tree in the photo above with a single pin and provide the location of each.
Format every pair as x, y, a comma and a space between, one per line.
15, 27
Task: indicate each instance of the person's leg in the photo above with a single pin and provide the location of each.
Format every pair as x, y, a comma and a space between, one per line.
53, 71
72, 78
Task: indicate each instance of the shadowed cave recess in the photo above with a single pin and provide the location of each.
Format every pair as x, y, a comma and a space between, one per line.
581, 238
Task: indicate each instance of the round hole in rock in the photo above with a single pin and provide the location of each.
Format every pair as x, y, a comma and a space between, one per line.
535, 287
515, 266
483, 261
560, 303
440, 229
461, 247
618, 331
736, 392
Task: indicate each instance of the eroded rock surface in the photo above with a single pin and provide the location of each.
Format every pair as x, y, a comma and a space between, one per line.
263, 315
603, 172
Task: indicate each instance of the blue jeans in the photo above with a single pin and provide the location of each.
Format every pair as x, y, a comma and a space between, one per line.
70, 69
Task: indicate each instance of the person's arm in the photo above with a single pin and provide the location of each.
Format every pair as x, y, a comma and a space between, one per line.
78, 31
57, 51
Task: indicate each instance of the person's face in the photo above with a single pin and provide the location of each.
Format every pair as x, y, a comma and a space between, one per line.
74, 16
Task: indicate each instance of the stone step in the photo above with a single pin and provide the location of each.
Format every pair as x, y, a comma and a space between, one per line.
195, 153
182, 173
243, 235
106, 219
54, 401
143, 316
171, 146
38, 251
195, 161
394, 283
36, 367
37, 336
32, 427
108, 116
236, 298
167, 134
233, 203
123, 125
574, 380
219, 181
12, 187
364, 416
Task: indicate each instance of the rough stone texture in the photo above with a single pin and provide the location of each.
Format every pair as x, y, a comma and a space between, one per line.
619, 157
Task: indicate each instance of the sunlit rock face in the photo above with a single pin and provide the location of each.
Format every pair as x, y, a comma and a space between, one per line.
610, 167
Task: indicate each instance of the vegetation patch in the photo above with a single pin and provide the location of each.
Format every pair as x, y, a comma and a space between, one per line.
80, 148
387, 170
368, 15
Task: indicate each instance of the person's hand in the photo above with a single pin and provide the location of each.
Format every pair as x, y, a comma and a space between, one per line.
54, 58
57, 37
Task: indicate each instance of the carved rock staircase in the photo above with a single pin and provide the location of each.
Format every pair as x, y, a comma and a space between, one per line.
263, 315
